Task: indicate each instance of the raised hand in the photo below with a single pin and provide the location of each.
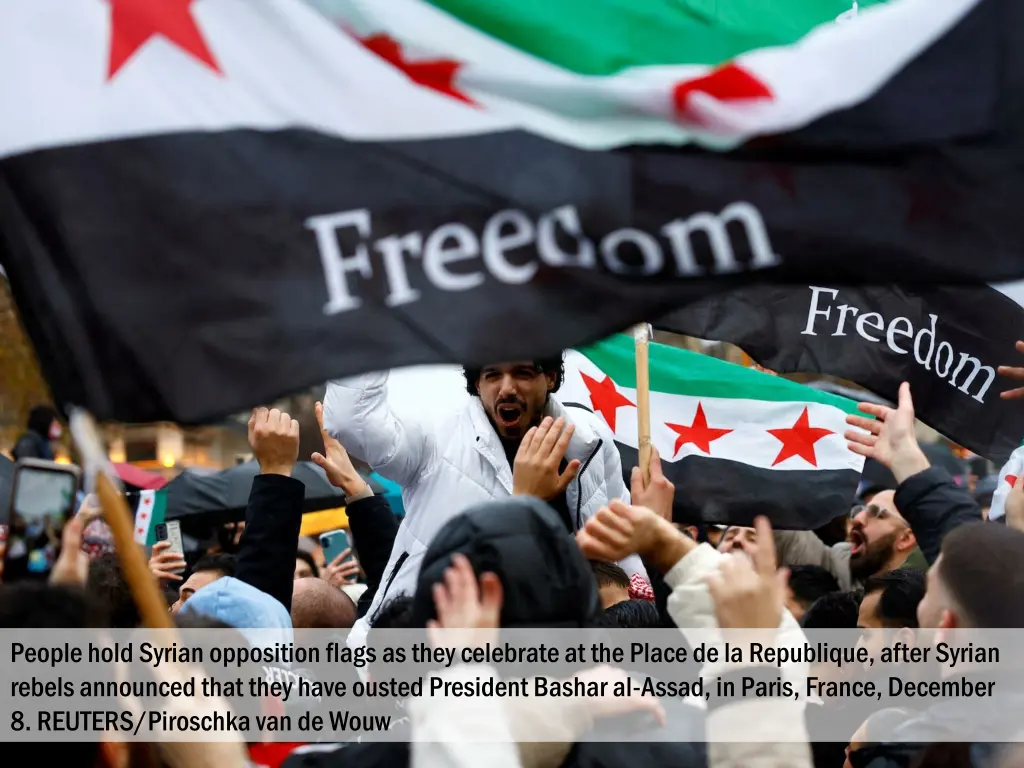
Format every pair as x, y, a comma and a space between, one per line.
620, 530
657, 494
1016, 373
339, 572
336, 462
750, 592
535, 469
468, 612
890, 438
72, 566
164, 564
274, 439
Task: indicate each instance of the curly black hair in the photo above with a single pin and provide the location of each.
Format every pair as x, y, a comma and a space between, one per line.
555, 365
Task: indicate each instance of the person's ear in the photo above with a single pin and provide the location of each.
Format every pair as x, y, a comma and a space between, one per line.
552, 380
907, 541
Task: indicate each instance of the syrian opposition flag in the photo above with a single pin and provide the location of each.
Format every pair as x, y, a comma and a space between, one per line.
735, 442
947, 341
206, 204
1008, 477
149, 513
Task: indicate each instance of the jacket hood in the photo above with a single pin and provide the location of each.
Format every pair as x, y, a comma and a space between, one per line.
260, 618
546, 580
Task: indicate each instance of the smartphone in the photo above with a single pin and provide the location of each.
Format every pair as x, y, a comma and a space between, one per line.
171, 531
333, 543
42, 500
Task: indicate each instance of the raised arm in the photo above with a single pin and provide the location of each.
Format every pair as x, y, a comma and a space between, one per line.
356, 412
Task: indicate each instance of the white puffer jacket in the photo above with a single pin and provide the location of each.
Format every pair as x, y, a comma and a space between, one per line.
444, 471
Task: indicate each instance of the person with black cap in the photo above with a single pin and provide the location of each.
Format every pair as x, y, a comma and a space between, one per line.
512, 437
43, 429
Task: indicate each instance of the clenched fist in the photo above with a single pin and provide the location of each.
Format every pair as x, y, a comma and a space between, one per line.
274, 439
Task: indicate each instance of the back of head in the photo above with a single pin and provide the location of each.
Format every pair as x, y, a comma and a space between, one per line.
901, 591
242, 606
609, 574
980, 567
811, 582
547, 581
107, 584
40, 418
222, 562
837, 610
631, 614
318, 605
34, 605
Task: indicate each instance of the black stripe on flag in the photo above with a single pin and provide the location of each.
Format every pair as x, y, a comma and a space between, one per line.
724, 492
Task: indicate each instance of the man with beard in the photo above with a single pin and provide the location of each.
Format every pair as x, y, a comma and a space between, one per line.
512, 437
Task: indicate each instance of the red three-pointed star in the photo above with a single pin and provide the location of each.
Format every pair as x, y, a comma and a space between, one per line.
698, 433
134, 22
436, 74
799, 440
605, 398
1011, 479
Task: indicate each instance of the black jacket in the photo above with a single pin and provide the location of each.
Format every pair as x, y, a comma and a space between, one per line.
266, 551
373, 527
934, 505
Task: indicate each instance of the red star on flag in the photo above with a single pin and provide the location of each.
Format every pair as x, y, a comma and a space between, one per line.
143, 515
799, 440
698, 433
1011, 479
134, 22
605, 398
435, 74
139, 531
727, 83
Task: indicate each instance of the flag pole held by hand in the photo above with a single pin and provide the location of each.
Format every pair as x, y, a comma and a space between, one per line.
152, 607
641, 336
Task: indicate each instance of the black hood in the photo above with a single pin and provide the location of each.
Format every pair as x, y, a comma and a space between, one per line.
546, 579
40, 419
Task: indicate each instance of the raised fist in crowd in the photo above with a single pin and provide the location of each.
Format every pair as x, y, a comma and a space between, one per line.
274, 439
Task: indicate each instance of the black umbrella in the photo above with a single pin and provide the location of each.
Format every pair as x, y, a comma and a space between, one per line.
6, 488
200, 501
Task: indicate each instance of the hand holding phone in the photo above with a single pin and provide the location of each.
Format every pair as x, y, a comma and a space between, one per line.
42, 501
167, 561
342, 567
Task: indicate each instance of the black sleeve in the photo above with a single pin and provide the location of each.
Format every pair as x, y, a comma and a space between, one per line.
662, 591
266, 551
373, 528
934, 505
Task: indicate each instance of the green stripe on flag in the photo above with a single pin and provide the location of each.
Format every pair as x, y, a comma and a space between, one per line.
681, 372
602, 37
150, 512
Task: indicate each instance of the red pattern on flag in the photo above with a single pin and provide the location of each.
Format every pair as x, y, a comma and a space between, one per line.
133, 23
640, 588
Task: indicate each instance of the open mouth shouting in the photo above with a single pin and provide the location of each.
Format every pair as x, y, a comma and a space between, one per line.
858, 544
509, 415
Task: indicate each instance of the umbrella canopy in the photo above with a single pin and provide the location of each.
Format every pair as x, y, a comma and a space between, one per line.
6, 486
139, 478
222, 497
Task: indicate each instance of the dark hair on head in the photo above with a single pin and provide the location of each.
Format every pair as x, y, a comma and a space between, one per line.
308, 560
902, 590
107, 584
40, 418
837, 610
555, 365
222, 562
631, 614
809, 582
980, 567
35, 605
396, 613
609, 574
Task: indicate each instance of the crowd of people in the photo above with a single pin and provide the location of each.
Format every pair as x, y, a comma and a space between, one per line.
518, 515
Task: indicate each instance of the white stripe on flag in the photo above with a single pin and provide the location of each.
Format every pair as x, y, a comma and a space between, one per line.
144, 515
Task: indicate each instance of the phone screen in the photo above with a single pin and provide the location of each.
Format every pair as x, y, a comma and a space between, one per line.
43, 500
333, 544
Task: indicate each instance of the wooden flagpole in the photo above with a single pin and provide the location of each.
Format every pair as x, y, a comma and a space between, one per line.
641, 336
152, 607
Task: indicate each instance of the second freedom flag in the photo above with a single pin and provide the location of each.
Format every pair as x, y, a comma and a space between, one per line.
735, 442
206, 204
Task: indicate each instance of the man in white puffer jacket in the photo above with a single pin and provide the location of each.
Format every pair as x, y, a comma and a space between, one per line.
470, 458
